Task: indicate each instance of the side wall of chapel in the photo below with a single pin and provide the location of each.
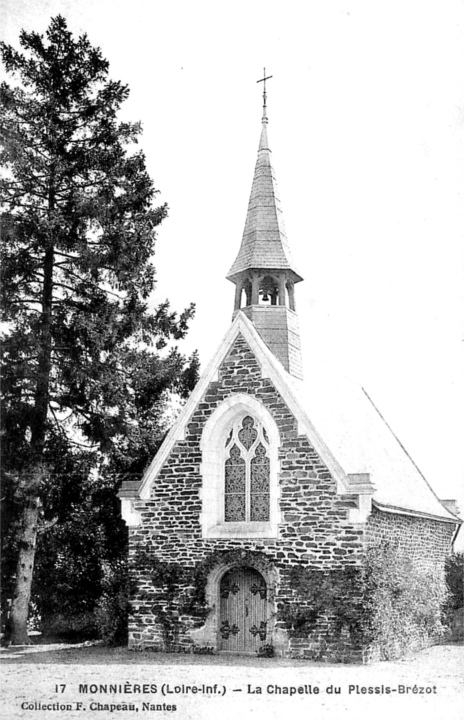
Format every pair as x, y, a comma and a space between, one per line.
426, 542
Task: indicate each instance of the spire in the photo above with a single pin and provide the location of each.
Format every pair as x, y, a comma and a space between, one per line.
263, 141
264, 242
263, 271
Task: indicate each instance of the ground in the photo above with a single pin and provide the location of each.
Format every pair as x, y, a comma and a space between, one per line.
60, 677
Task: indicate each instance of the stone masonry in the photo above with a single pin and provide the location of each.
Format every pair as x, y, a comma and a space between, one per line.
425, 541
314, 532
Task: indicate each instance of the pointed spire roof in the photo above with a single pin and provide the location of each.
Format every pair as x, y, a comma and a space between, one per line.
264, 243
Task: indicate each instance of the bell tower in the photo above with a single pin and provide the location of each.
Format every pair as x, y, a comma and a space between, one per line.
263, 271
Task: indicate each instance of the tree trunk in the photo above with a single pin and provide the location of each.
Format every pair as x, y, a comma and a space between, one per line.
20, 605
17, 626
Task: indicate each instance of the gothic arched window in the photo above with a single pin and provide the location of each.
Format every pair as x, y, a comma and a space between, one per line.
240, 470
247, 473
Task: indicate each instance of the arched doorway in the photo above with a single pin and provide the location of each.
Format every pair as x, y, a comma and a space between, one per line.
243, 621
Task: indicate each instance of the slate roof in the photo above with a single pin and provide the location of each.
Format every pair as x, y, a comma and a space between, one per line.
264, 243
362, 442
340, 420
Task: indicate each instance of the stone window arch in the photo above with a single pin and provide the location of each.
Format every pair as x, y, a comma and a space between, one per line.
240, 470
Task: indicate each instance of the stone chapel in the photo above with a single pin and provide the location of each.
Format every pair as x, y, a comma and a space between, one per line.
275, 467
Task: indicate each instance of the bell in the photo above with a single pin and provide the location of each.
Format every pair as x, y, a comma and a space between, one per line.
265, 297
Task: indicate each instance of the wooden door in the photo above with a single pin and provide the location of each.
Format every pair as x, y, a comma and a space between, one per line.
243, 611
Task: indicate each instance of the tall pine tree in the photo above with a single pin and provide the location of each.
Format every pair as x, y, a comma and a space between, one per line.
78, 236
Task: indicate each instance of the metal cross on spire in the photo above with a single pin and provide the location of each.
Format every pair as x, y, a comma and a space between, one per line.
263, 80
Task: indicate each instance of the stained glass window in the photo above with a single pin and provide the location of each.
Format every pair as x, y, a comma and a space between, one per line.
248, 434
247, 473
235, 487
259, 486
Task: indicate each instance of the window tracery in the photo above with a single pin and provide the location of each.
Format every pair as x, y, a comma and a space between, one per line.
240, 480
247, 473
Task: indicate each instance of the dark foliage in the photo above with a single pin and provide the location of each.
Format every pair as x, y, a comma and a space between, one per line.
337, 594
87, 366
266, 651
455, 580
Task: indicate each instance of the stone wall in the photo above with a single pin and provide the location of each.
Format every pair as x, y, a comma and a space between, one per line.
314, 530
425, 541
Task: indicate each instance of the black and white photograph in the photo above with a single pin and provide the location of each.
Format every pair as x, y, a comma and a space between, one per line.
232, 421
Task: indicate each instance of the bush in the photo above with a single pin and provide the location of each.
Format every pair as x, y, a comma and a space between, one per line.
75, 627
112, 611
266, 651
387, 605
455, 580
405, 606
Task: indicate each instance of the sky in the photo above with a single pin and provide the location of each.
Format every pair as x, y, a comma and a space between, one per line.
366, 119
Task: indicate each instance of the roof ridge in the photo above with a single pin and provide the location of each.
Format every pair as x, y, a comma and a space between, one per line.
405, 451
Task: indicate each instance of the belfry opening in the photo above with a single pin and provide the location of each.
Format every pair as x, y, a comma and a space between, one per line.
264, 289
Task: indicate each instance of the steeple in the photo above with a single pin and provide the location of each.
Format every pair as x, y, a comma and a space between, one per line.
263, 272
